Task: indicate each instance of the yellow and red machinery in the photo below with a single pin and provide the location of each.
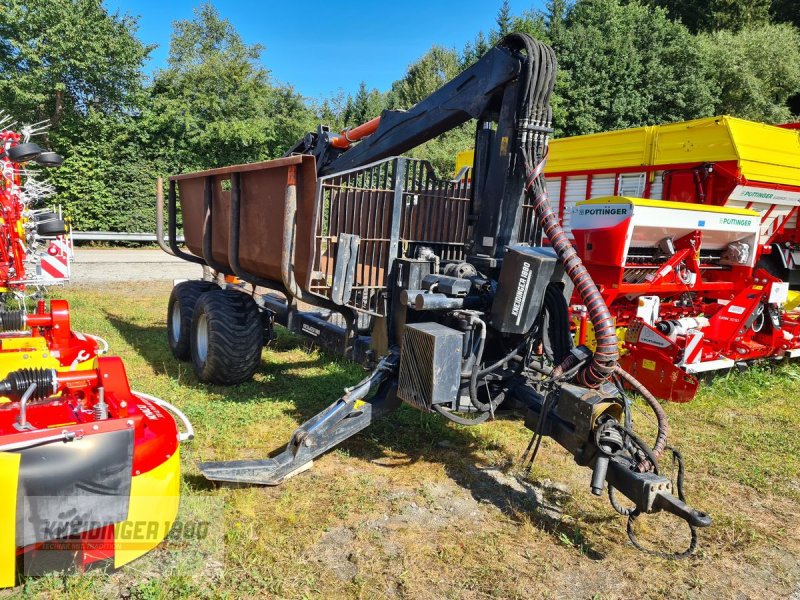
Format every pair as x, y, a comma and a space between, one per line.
89, 470
35, 251
691, 232
681, 279
36, 246
45, 339
84, 462
718, 161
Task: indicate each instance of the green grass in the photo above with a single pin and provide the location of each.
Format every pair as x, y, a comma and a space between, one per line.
415, 508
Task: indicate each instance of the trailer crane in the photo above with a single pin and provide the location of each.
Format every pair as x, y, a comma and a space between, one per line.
454, 295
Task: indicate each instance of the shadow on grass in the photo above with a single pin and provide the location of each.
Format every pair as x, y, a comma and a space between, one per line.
284, 379
416, 435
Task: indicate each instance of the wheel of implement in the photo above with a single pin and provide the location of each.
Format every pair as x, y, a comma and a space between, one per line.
49, 159
51, 228
179, 315
227, 337
23, 152
45, 216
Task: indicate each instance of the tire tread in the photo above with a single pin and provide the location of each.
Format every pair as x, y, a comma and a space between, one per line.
235, 337
186, 293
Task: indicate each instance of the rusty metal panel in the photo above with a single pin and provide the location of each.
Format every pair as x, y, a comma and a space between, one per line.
262, 206
190, 192
394, 207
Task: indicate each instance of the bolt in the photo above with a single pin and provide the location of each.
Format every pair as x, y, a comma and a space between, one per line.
307, 442
95, 427
129, 423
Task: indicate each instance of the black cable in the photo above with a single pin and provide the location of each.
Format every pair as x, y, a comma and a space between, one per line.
451, 416
634, 514
547, 405
505, 359
624, 511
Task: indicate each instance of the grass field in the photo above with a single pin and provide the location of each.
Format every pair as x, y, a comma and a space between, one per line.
416, 508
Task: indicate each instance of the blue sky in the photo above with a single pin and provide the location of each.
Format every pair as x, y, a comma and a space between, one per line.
323, 46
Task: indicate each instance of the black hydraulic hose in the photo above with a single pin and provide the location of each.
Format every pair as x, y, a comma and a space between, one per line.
473, 378
661, 416
604, 359
476, 372
556, 340
508, 357
633, 514
450, 415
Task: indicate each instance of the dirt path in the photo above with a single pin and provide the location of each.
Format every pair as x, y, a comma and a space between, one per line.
96, 266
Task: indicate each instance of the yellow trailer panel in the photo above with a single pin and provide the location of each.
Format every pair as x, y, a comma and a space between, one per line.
764, 152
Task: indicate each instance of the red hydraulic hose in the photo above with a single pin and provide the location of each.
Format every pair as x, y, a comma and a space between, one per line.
348, 136
604, 359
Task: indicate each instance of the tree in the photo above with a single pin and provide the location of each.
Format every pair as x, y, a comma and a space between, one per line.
554, 18
713, 15
736, 14
61, 58
435, 68
626, 65
504, 20
330, 111
755, 71
367, 104
107, 181
474, 50
74, 63
786, 11
215, 104
532, 22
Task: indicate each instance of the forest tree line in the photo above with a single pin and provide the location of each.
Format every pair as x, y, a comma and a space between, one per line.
622, 63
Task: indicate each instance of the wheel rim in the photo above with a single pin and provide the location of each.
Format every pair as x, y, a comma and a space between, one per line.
176, 321
202, 337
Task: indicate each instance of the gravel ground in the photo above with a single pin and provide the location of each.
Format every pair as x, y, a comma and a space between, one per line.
95, 266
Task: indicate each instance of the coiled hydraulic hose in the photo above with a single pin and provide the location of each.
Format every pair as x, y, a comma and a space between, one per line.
536, 84
604, 359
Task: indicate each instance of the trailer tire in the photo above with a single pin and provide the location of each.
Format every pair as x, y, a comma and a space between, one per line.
179, 315
227, 337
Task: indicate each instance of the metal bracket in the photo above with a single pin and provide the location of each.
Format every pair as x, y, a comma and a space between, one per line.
345, 272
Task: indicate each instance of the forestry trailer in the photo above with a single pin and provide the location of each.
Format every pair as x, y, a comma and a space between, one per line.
443, 289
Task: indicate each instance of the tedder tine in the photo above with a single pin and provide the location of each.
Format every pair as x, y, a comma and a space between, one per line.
341, 420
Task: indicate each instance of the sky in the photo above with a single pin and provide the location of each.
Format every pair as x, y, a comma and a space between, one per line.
321, 47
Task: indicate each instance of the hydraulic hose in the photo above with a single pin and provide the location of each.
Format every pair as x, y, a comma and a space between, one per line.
473, 379
604, 359
661, 416
556, 341
451, 416
536, 84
